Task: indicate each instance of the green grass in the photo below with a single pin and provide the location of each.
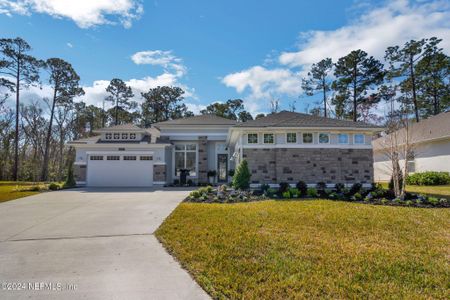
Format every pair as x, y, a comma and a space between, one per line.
312, 249
433, 190
10, 190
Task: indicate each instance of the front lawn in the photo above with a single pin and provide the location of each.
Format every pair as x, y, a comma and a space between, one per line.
433, 190
10, 190
312, 249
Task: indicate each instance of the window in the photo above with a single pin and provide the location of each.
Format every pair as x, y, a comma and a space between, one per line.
108, 136
324, 138
411, 162
307, 138
186, 158
343, 138
116, 136
113, 157
358, 139
252, 138
268, 138
132, 136
96, 157
291, 137
148, 157
124, 136
129, 157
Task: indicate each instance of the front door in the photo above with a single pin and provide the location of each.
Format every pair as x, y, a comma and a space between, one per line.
222, 167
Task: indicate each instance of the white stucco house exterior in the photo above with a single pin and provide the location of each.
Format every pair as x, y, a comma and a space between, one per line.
285, 146
430, 140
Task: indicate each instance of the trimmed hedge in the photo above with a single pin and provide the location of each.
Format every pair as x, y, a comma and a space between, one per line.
428, 178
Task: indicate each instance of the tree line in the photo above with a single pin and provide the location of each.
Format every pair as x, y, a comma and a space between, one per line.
33, 134
415, 75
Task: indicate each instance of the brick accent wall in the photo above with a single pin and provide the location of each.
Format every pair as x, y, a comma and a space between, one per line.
202, 159
312, 165
79, 172
159, 173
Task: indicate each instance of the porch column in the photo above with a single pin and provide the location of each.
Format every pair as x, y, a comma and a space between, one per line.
202, 159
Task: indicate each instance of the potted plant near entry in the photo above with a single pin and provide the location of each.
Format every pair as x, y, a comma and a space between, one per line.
212, 176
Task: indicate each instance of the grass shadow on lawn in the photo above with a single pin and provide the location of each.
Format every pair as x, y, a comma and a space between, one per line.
311, 249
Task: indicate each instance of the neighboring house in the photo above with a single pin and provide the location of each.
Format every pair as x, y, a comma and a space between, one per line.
285, 146
430, 147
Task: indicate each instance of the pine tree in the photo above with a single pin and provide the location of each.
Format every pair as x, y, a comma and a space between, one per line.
241, 178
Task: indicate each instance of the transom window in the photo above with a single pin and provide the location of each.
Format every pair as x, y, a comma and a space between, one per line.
108, 136
186, 158
124, 136
252, 138
116, 136
343, 138
291, 137
324, 138
268, 138
147, 157
307, 138
96, 157
129, 157
132, 136
358, 138
113, 157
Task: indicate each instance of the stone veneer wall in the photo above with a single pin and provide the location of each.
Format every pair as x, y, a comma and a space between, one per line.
202, 159
311, 165
79, 172
159, 173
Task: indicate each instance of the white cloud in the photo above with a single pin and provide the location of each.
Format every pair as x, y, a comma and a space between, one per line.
70, 45
393, 24
374, 30
161, 58
85, 13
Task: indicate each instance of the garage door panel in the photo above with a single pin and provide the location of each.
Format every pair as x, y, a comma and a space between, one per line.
120, 173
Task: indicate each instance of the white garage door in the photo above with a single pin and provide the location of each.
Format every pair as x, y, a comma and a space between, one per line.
124, 170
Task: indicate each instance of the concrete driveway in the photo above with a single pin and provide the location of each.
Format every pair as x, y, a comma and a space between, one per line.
90, 244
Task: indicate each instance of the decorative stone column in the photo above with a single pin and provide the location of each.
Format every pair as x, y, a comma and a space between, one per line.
202, 159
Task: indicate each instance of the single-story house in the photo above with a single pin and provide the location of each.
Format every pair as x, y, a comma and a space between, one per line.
284, 146
430, 147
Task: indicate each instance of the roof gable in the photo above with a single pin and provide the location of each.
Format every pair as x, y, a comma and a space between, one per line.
209, 119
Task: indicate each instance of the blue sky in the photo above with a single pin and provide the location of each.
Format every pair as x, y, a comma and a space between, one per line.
215, 50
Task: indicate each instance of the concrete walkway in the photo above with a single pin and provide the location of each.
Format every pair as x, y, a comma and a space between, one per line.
90, 244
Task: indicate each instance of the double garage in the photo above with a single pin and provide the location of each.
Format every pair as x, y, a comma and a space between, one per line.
126, 169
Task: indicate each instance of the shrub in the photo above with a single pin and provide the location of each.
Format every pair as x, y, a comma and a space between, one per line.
357, 197
34, 188
321, 186
195, 194
312, 192
53, 186
356, 188
271, 192
70, 180
339, 187
294, 192
189, 182
428, 178
391, 182
211, 173
241, 178
264, 187
433, 200
284, 187
176, 182
409, 202
302, 187
384, 201
286, 194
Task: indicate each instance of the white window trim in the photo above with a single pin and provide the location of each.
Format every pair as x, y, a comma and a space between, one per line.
329, 138
257, 138
296, 138
312, 135
184, 151
273, 138
339, 141
364, 139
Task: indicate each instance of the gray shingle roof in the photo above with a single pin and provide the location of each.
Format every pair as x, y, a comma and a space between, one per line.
198, 120
121, 127
435, 127
294, 119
